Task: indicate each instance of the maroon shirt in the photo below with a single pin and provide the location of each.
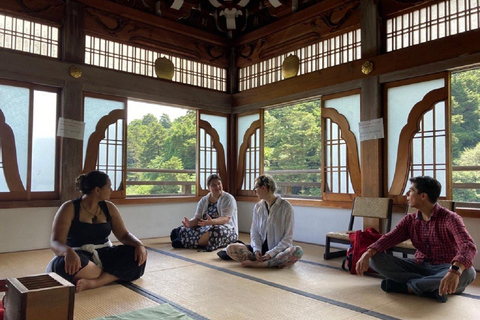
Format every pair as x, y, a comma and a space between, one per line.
443, 239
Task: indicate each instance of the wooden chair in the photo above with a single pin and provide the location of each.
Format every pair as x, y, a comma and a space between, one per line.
362, 207
406, 247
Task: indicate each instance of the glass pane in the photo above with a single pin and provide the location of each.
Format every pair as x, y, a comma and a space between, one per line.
349, 107
244, 122
401, 100
94, 110
220, 125
14, 102
44, 138
465, 117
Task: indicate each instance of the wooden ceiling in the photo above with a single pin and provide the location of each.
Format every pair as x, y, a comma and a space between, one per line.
230, 18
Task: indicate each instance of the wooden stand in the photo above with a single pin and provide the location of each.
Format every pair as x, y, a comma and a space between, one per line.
37, 297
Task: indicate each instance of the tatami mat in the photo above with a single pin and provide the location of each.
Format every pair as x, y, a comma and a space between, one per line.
205, 287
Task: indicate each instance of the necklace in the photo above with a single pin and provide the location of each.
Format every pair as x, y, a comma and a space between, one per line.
94, 218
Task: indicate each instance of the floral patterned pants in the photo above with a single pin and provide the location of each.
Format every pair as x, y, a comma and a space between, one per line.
220, 236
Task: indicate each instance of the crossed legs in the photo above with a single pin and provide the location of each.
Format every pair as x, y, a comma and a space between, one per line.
285, 259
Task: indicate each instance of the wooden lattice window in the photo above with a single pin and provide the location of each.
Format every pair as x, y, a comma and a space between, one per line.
114, 55
250, 152
105, 136
28, 36
324, 54
212, 144
436, 21
341, 160
417, 133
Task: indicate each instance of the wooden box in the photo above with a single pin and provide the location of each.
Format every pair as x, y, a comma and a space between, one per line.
39, 297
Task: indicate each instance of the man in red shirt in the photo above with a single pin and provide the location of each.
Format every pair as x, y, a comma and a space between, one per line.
443, 262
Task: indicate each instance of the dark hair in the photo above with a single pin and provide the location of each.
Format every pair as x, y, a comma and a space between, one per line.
267, 181
213, 177
88, 181
428, 185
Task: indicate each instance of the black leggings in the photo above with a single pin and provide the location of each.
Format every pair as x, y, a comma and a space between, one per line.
116, 260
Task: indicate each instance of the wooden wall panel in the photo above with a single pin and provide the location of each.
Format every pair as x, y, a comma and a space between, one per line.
122, 24
40, 10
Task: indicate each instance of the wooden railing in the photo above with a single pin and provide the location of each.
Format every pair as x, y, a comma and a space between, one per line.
466, 185
186, 186
286, 188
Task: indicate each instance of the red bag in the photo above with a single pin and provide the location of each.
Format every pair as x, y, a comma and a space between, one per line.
359, 242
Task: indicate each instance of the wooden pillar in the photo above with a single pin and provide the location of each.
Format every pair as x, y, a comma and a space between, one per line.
72, 98
371, 108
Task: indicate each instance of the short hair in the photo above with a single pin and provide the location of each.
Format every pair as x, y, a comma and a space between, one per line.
428, 185
89, 181
267, 181
213, 177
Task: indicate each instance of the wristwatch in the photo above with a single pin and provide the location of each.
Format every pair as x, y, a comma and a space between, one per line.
455, 269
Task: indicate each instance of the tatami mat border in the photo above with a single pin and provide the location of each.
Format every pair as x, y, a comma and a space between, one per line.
161, 300
282, 287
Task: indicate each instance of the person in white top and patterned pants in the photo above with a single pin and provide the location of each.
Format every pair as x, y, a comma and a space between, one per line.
271, 232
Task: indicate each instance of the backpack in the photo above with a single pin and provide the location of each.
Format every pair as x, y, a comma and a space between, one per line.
359, 242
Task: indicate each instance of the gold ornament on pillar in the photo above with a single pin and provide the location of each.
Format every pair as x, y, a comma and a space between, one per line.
290, 66
164, 68
75, 72
367, 67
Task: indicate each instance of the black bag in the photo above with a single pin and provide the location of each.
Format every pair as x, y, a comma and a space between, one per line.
175, 237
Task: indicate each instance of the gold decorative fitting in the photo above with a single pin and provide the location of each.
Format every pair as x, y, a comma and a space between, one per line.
75, 72
290, 66
367, 67
164, 68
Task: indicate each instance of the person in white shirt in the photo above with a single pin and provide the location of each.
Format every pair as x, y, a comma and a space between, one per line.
271, 232
215, 222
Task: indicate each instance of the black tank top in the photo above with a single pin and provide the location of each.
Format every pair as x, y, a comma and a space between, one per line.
81, 233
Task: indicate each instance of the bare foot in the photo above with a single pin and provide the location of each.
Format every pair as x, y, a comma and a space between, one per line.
254, 264
85, 284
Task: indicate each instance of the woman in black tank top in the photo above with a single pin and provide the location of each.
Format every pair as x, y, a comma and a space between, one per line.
83, 253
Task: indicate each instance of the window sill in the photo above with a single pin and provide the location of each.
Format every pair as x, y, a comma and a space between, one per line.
306, 202
29, 204
149, 200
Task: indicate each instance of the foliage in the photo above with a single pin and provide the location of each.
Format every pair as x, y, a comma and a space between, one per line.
161, 144
292, 142
465, 92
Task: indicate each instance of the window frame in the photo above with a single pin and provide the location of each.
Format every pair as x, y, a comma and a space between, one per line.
27, 194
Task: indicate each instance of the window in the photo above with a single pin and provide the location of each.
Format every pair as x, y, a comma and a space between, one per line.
28, 117
341, 145
114, 55
28, 36
417, 143
324, 54
160, 150
292, 148
436, 21
465, 117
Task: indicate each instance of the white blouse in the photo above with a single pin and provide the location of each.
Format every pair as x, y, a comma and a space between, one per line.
226, 206
276, 227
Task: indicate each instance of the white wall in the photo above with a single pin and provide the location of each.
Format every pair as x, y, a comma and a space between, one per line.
29, 228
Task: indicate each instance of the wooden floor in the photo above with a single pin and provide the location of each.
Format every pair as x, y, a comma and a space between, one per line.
202, 286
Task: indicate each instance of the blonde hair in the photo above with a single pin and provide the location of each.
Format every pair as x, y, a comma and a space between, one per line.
267, 181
